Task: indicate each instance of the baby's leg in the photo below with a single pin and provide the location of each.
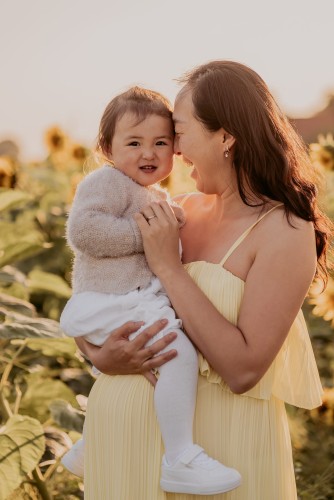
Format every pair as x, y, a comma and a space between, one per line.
73, 460
185, 468
175, 398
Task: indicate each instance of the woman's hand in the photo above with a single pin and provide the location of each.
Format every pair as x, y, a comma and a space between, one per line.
160, 232
120, 356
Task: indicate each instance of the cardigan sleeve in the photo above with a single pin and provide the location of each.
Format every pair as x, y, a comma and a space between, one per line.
96, 223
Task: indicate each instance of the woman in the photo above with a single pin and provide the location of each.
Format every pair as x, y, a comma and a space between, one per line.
253, 241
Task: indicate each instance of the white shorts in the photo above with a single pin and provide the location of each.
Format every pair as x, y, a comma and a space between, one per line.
95, 315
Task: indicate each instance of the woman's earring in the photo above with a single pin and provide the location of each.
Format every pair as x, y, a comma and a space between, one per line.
226, 152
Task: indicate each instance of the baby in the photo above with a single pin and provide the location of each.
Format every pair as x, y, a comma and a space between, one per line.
113, 284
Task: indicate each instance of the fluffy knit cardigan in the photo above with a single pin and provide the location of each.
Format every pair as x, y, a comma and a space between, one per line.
108, 248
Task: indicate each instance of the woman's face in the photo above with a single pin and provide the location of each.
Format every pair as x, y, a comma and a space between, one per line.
201, 149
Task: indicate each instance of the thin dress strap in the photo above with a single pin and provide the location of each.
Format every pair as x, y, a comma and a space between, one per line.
184, 199
244, 234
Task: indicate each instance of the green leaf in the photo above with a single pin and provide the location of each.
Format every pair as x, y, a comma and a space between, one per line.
17, 290
53, 347
21, 331
22, 444
10, 274
9, 198
66, 416
17, 305
42, 282
40, 393
19, 251
19, 326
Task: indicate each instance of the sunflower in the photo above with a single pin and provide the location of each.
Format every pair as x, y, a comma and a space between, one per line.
323, 302
322, 152
79, 153
7, 172
55, 139
326, 410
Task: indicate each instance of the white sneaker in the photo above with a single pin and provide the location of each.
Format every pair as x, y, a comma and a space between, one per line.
198, 474
73, 460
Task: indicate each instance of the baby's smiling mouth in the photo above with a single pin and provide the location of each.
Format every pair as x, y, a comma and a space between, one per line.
148, 168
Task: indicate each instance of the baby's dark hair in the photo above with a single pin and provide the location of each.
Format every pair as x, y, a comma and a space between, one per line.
137, 100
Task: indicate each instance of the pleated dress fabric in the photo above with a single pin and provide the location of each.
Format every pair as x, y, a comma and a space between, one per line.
248, 432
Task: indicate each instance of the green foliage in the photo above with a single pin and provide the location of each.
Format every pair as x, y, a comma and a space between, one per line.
34, 353
20, 306
22, 444
42, 282
42, 376
19, 326
10, 198
40, 393
66, 416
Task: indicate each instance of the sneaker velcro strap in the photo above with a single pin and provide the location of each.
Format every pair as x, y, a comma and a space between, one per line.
189, 455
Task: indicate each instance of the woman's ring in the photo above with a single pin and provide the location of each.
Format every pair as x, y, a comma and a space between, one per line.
151, 217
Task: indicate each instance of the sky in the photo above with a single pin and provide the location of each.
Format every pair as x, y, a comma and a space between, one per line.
63, 60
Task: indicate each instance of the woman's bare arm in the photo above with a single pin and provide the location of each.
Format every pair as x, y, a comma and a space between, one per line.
275, 288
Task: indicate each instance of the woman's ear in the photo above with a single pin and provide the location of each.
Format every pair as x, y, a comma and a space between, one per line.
227, 139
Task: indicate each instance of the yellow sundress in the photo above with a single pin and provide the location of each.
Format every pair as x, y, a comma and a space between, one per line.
248, 432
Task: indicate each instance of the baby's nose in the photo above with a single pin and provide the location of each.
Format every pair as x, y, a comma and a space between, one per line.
148, 153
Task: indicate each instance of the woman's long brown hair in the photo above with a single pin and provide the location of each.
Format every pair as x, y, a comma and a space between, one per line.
270, 159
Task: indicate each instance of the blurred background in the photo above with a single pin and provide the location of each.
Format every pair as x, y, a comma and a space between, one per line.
61, 63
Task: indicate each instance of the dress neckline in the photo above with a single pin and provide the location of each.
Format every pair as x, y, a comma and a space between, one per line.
205, 262
235, 245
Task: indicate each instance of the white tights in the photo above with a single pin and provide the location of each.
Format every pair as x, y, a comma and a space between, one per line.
175, 397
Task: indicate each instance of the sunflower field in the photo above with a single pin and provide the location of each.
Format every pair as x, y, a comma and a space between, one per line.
44, 380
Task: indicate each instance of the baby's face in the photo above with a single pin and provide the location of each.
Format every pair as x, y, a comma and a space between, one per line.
143, 151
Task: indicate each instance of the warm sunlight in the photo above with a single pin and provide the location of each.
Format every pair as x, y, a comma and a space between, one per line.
166, 287
62, 61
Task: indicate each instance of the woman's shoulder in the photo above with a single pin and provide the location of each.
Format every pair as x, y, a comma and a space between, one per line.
284, 230
277, 217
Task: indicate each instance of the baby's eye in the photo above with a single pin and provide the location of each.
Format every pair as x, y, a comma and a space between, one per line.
133, 143
161, 143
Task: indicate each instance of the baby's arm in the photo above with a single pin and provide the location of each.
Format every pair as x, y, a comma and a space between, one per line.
96, 224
